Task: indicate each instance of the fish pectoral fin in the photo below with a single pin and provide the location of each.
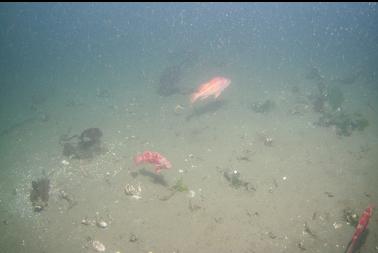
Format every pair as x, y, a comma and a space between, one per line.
217, 94
157, 169
193, 97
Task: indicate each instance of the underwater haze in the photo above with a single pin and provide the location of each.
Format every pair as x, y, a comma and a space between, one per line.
188, 127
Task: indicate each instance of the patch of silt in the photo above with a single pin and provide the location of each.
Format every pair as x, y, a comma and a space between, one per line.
327, 97
84, 146
263, 107
39, 194
170, 80
330, 99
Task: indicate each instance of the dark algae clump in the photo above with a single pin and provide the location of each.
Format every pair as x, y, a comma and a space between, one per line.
344, 123
83, 146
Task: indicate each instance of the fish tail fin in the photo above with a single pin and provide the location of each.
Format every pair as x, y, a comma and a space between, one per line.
193, 97
137, 159
350, 247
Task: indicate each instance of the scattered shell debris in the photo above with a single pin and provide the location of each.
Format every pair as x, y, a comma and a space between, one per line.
86, 221
65, 162
268, 141
99, 222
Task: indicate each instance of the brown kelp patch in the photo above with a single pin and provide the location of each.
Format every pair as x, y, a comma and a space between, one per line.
39, 194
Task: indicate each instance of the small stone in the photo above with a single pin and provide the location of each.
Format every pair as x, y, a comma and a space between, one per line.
191, 194
337, 225
85, 221
38, 208
133, 238
102, 224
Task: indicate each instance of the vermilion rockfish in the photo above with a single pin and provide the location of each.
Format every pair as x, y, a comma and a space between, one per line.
360, 228
213, 87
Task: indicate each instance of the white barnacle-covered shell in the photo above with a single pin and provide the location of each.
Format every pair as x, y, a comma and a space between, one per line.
130, 190
98, 246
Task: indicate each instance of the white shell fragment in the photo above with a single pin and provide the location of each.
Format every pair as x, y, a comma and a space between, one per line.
191, 194
102, 224
98, 246
136, 197
337, 225
86, 221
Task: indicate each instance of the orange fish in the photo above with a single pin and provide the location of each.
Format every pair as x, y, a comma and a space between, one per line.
213, 87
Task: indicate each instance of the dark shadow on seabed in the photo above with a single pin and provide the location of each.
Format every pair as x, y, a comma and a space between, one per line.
210, 107
155, 178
